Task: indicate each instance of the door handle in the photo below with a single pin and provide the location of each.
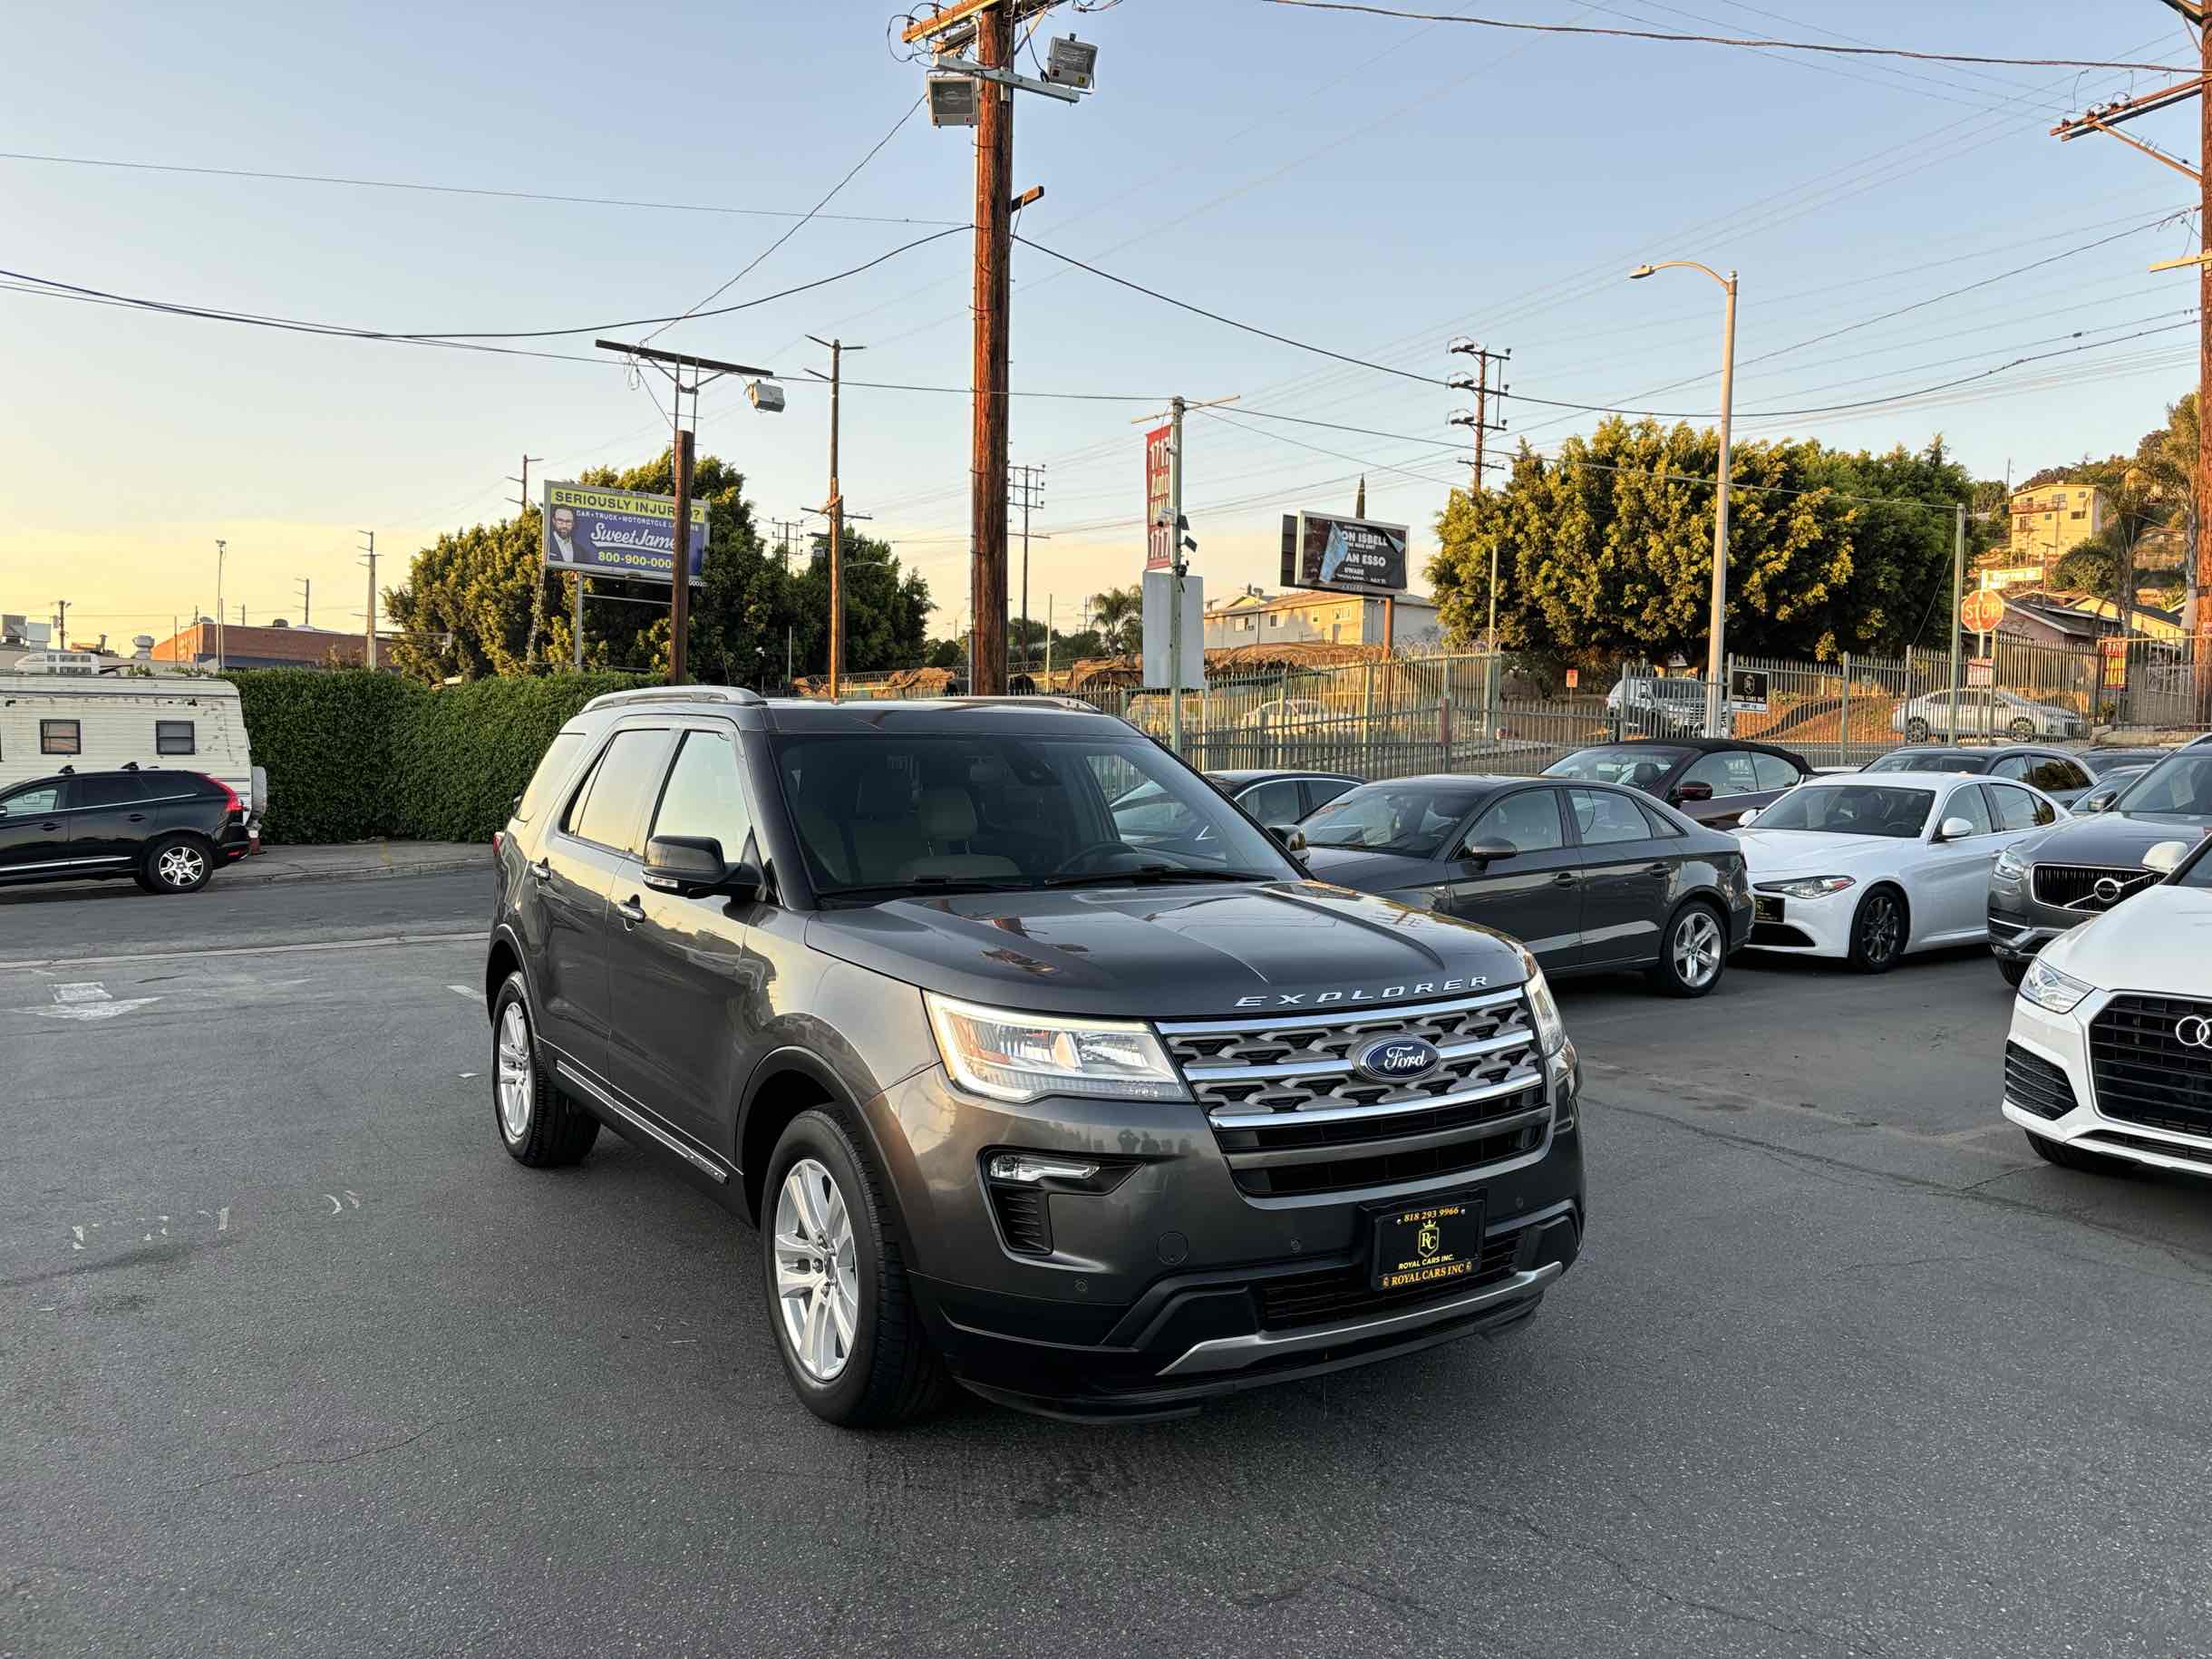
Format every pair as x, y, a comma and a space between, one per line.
1565, 878
631, 912
542, 870
138, 817
50, 826
1661, 868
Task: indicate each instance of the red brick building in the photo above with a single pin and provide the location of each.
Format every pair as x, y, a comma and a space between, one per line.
266, 648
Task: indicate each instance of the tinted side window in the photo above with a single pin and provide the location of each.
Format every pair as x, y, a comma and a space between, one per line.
2016, 809
108, 789
1273, 803
1529, 819
1320, 792
1605, 817
1725, 773
1661, 826
705, 795
2013, 766
559, 754
1774, 772
621, 785
2053, 772
37, 797
1969, 803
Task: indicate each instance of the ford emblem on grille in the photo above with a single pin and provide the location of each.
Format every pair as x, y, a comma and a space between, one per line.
1399, 1060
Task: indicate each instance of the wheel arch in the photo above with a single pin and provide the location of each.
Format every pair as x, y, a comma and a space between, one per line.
502, 959
786, 1083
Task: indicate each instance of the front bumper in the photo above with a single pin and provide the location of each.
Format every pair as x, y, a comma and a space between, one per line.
2020, 925
2062, 1040
1174, 1286
1808, 926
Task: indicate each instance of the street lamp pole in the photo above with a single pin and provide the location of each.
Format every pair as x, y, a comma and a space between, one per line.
1716, 650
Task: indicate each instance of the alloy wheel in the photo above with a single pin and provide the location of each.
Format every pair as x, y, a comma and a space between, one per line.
181, 867
517, 1087
1878, 927
818, 1286
1697, 949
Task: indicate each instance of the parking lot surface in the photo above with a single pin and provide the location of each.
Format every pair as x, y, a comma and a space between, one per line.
297, 1361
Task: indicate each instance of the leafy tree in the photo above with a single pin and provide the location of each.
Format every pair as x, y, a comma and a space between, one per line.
1607, 551
887, 610
1120, 613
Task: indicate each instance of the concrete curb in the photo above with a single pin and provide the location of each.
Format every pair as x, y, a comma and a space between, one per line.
243, 874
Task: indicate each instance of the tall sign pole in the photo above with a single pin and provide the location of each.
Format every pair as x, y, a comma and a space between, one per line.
1174, 576
679, 601
993, 302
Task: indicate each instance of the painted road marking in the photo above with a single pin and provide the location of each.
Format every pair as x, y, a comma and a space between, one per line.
89, 1000
37, 962
464, 991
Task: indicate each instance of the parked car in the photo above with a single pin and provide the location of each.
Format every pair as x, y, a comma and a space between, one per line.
1985, 712
1660, 707
2102, 761
172, 830
2109, 789
2059, 774
2108, 1061
1088, 1128
2054, 882
1285, 713
1713, 780
1871, 868
1590, 876
1283, 796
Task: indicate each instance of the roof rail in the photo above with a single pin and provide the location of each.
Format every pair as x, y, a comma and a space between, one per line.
678, 694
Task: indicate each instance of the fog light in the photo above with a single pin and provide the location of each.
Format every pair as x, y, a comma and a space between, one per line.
1028, 1167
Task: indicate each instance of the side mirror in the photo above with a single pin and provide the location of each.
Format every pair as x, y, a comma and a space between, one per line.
1746, 817
2166, 857
2097, 800
691, 865
1955, 830
1490, 848
1692, 790
514, 806
1288, 837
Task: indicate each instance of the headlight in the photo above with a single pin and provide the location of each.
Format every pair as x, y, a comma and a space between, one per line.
1013, 1056
1809, 886
2010, 865
1550, 1029
2046, 987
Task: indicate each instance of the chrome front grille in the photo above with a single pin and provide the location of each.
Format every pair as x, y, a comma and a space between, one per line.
2076, 887
1293, 1114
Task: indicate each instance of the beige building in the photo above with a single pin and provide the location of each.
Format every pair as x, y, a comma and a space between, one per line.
2050, 521
1257, 619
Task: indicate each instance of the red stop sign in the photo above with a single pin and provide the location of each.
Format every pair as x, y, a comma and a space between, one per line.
1981, 610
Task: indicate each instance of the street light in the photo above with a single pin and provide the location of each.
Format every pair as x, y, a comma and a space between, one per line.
1715, 651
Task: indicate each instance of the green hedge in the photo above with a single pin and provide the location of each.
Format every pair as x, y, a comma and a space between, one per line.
352, 756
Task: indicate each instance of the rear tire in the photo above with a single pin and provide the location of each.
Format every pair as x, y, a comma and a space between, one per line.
179, 863
2022, 728
2069, 1157
1692, 951
539, 1125
844, 1316
2013, 971
1879, 929
1916, 729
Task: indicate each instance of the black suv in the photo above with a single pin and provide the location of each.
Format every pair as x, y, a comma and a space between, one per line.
170, 830
1094, 1124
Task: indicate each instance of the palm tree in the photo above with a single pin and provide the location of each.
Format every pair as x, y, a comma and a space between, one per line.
1119, 614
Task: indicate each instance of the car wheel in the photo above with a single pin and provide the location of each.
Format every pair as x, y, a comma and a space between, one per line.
177, 864
2013, 971
2070, 1156
1693, 954
839, 1299
2022, 728
1879, 931
539, 1125
1916, 729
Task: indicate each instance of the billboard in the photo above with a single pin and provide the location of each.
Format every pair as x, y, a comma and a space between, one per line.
618, 532
1159, 534
1343, 555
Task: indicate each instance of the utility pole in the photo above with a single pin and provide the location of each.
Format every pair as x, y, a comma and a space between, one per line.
1176, 566
369, 652
993, 302
61, 622
306, 595
1030, 483
1958, 625
2108, 119
219, 546
835, 509
783, 528
1478, 383
538, 582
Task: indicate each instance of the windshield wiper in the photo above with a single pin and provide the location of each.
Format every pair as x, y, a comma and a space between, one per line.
1147, 874
922, 886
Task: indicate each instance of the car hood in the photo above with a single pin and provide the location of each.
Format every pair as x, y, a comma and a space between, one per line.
2119, 839
1171, 952
1370, 872
1771, 853
2157, 940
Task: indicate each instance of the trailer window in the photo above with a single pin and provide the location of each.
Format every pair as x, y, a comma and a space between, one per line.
60, 737
173, 737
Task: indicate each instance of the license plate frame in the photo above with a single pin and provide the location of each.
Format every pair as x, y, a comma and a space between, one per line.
1402, 1252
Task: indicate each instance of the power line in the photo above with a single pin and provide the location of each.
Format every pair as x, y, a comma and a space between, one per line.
1725, 39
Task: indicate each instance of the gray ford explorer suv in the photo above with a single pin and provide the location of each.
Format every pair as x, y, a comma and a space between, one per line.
1016, 1097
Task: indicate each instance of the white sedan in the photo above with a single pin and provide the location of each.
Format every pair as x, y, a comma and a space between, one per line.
1984, 711
1866, 869
2110, 1058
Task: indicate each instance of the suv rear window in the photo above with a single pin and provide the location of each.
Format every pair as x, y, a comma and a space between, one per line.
551, 769
108, 788
628, 775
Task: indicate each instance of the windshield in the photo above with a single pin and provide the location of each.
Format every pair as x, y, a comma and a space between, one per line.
1637, 765
1413, 819
881, 815
2198, 873
1929, 760
2179, 786
1851, 808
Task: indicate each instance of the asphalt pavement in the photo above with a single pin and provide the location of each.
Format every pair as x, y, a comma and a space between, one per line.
296, 1360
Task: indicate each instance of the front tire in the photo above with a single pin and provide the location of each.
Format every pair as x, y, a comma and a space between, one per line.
177, 864
539, 1125
2022, 728
1692, 951
1879, 929
838, 1300
1916, 729
2070, 1156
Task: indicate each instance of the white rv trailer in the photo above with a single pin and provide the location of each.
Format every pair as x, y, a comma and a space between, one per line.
48, 722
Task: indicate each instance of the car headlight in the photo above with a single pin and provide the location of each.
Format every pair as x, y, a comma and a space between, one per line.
2010, 865
1809, 886
1550, 1029
1013, 1056
2047, 988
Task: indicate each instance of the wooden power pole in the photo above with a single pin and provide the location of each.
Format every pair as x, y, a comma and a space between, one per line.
834, 509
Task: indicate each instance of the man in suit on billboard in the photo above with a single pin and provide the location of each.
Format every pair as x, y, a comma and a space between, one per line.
564, 537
